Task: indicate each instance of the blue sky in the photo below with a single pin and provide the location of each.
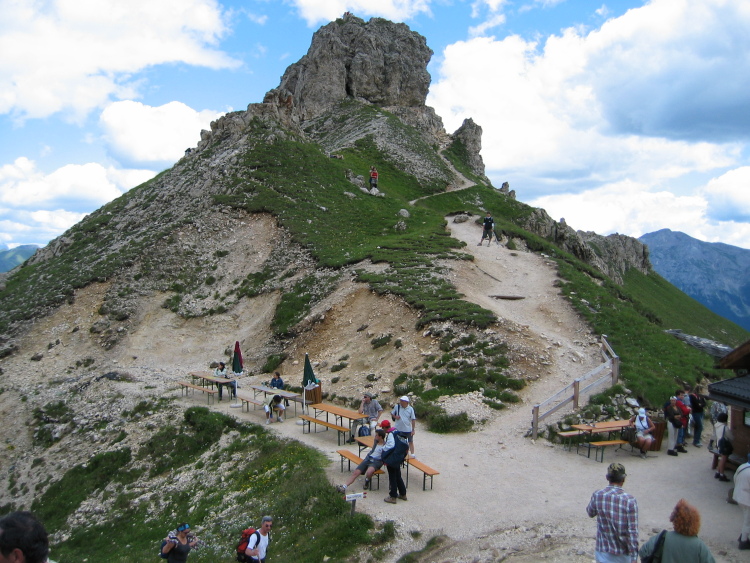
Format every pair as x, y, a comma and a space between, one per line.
620, 116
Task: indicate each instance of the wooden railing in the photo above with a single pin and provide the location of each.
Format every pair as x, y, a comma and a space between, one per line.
573, 392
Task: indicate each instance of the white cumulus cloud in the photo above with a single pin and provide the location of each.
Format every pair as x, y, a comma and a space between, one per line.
138, 133
75, 55
317, 11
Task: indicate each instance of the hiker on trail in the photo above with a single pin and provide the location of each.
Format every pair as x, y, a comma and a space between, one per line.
257, 545
373, 177
178, 544
617, 519
371, 409
488, 231
275, 405
23, 538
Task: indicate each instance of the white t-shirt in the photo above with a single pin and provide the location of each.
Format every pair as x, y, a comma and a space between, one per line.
262, 546
403, 424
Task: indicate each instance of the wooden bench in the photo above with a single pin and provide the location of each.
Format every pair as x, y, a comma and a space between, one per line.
310, 420
426, 470
567, 437
599, 447
185, 386
351, 457
246, 399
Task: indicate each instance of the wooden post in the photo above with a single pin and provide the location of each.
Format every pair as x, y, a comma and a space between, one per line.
615, 369
576, 392
535, 422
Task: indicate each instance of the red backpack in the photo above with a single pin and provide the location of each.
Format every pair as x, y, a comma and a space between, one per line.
244, 540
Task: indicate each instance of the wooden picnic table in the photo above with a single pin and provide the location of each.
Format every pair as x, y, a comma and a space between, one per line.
340, 413
607, 427
289, 395
207, 377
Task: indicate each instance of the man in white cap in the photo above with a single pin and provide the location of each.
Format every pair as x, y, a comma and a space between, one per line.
403, 414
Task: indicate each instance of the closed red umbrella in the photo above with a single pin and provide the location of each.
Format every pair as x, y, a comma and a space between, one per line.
237, 358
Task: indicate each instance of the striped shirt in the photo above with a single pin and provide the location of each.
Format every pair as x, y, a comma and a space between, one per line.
617, 522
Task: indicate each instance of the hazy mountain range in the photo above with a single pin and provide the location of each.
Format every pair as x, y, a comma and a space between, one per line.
9, 259
713, 273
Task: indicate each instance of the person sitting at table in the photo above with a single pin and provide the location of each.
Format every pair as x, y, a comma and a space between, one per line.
221, 371
644, 429
371, 409
278, 383
275, 405
372, 462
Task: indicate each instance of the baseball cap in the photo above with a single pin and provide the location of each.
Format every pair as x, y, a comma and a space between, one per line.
641, 412
616, 471
368, 395
385, 424
404, 398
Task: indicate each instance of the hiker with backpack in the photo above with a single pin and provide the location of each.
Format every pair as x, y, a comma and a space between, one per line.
253, 544
405, 418
372, 410
176, 547
488, 230
393, 456
373, 177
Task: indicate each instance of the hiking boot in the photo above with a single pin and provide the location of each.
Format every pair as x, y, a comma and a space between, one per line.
367, 484
268, 421
643, 455
389, 500
341, 488
402, 497
744, 544
480, 244
681, 449
671, 452
698, 445
723, 478
280, 419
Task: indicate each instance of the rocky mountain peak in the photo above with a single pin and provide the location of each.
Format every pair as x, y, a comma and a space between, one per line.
377, 61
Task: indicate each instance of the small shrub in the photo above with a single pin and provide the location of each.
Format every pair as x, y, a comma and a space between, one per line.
272, 362
381, 341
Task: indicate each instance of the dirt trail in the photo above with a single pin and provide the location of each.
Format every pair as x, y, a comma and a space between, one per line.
501, 494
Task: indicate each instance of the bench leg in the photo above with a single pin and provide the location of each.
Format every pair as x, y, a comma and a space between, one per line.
596, 453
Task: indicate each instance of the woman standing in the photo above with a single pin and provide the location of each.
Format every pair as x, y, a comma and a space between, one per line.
177, 546
683, 545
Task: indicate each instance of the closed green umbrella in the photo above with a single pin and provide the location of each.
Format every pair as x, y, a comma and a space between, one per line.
309, 381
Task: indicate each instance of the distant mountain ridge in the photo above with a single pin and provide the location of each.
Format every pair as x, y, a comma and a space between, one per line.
9, 259
713, 273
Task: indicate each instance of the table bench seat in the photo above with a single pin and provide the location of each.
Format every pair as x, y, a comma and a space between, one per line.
601, 445
185, 386
248, 400
309, 421
351, 457
426, 470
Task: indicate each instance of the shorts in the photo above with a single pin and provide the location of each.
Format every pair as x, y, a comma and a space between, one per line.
408, 435
640, 434
369, 462
277, 407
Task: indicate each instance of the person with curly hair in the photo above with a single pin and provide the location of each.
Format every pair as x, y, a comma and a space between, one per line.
683, 545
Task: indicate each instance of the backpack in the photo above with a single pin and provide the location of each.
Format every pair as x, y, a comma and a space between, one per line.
488, 222
244, 540
396, 455
364, 430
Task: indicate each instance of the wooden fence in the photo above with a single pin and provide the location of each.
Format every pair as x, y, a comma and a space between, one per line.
573, 392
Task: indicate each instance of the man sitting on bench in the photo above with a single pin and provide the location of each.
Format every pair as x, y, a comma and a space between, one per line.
221, 371
370, 408
372, 462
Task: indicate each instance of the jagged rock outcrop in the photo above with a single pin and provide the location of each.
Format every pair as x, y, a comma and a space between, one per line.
378, 61
470, 134
613, 255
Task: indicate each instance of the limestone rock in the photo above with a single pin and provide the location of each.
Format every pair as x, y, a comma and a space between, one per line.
470, 134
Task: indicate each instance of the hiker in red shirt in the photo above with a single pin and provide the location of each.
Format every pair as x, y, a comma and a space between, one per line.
373, 177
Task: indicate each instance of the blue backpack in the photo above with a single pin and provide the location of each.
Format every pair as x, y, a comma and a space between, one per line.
364, 430
396, 455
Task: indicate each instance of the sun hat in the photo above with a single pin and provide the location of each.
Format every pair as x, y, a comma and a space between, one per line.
404, 398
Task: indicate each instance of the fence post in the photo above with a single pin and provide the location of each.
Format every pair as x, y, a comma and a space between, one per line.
535, 422
615, 369
576, 392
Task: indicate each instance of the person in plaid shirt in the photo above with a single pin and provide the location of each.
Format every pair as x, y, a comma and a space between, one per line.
617, 519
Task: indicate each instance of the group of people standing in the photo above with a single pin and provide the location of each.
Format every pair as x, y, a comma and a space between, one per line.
391, 443
682, 408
